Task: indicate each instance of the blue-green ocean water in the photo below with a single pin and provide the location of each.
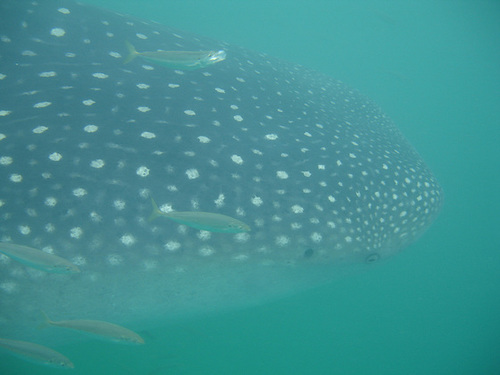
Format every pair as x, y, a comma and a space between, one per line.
434, 67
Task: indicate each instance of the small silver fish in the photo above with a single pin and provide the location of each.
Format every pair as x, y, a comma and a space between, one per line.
202, 220
37, 259
35, 353
185, 60
108, 331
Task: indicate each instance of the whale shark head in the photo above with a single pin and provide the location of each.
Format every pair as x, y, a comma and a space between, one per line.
320, 175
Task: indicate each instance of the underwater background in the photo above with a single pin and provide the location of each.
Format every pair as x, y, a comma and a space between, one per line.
434, 68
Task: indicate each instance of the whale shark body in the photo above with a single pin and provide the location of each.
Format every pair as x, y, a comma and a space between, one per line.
323, 179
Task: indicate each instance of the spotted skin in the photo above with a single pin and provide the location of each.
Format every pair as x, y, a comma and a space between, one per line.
319, 173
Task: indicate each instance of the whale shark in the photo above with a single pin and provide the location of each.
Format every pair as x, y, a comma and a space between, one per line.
319, 177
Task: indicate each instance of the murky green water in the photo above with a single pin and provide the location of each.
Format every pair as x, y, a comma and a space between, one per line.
434, 67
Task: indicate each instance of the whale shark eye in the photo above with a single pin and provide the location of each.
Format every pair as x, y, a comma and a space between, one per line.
308, 253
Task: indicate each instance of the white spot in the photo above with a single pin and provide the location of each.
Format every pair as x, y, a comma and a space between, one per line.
237, 159
50, 201
348, 239
241, 257
42, 105
190, 112
206, 251
76, 232
271, 137
57, 31
282, 241
192, 173
55, 156
47, 74
316, 237
282, 175
100, 75
203, 139
79, 192
79, 260
98, 163
40, 129
119, 204
143, 86
5, 113
219, 202
2, 136
141, 36
220, 91
95, 217
143, 109
148, 135
50, 228
6, 160
241, 237
8, 287
63, 10
114, 54
24, 229
127, 239
150, 264
403, 214
238, 118
88, 102
90, 128
173, 85
172, 245
28, 53
204, 235
142, 171
331, 198
257, 201
70, 54
114, 259
296, 209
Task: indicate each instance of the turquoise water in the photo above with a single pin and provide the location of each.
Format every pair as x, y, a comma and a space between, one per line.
434, 67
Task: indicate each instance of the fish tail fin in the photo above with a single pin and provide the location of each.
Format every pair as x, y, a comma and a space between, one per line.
156, 211
46, 320
132, 53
